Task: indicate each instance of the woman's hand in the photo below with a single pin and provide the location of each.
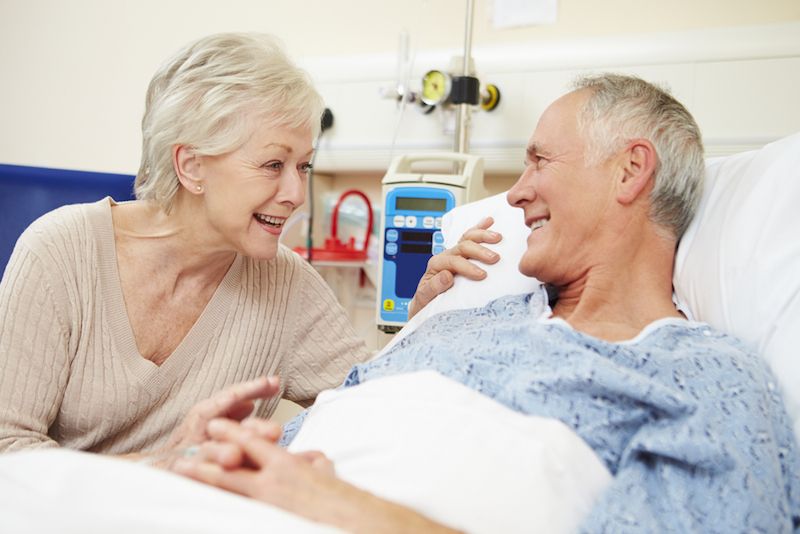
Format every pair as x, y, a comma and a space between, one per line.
235, 402
304, 483
443, 267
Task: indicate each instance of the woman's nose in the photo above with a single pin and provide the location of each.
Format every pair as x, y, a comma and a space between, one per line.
293, 188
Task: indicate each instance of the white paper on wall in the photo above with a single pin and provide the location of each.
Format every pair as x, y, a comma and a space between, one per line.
511, 13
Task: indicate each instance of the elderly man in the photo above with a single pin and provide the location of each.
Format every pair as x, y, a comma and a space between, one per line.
685, 418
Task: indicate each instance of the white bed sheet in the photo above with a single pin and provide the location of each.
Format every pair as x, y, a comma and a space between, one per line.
68, 492
420, 439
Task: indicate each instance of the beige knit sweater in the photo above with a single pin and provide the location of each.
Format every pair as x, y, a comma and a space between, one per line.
70, 372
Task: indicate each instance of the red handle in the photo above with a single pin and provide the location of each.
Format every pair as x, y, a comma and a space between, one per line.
335, 214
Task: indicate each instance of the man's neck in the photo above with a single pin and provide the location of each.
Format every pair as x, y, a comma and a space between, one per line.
615, 300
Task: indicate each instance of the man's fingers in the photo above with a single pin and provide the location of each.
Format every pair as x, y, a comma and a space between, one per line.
237, 481
438, 283
258, 449
474, 251
480, 233
460, 265
264, 428
484, 223
227, 455
318, 461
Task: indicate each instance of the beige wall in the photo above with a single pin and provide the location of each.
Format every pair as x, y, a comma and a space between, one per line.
74, 72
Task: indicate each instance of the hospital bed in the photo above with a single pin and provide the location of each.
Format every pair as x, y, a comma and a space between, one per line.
737, 268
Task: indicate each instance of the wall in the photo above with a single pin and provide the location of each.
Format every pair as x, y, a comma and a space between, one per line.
74, 73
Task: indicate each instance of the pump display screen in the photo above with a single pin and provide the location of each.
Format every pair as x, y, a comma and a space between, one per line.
420, 204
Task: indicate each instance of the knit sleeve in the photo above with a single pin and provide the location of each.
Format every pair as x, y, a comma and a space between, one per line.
324, 344
34, 361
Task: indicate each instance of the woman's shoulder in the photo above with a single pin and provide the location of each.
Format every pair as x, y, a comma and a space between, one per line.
65, 225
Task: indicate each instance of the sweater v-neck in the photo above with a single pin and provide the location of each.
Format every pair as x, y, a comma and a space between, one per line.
193, 345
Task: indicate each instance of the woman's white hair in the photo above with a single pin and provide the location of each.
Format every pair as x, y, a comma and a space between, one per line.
210, 96
621, 108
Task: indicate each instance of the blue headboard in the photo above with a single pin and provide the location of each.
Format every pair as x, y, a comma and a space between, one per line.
28, 192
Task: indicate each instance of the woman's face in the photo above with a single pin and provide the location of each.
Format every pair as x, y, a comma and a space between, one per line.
249, 193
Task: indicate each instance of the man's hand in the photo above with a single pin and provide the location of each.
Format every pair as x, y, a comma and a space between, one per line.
302, 483
443, 267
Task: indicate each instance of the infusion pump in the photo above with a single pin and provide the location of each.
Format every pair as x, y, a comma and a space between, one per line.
411, 225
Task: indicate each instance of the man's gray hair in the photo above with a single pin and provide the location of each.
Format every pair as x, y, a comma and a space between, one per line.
210, 96
621, 108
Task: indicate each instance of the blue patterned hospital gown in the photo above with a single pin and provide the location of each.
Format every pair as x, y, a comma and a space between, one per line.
687, 419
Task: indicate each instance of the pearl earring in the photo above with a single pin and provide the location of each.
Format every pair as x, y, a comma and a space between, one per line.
199, 188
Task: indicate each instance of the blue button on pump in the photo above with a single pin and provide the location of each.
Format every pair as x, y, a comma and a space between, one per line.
392, 235
391, 248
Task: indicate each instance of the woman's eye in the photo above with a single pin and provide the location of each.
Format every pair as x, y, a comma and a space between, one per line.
273, 165
306, 168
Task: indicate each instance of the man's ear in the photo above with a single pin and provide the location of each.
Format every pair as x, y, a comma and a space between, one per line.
187, 168
638, 168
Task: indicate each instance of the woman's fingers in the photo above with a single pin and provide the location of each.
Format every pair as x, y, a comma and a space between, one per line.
235, 400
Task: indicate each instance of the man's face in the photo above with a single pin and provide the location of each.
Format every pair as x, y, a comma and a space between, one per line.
565, 200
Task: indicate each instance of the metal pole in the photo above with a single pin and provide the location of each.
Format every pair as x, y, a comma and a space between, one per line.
464, 111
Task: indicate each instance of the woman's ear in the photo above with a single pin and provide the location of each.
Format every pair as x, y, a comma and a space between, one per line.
638, 168
187, 168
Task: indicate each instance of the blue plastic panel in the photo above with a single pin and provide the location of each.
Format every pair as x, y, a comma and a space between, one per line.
26, 193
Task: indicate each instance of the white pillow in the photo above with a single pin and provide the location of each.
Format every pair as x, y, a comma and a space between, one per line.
458, 457
738, 265
502, 278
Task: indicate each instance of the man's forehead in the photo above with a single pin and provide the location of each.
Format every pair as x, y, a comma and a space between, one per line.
559, 118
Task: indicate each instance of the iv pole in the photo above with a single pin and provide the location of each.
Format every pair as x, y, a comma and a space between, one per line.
464, 111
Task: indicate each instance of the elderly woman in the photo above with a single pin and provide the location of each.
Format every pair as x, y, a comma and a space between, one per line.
118, 319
